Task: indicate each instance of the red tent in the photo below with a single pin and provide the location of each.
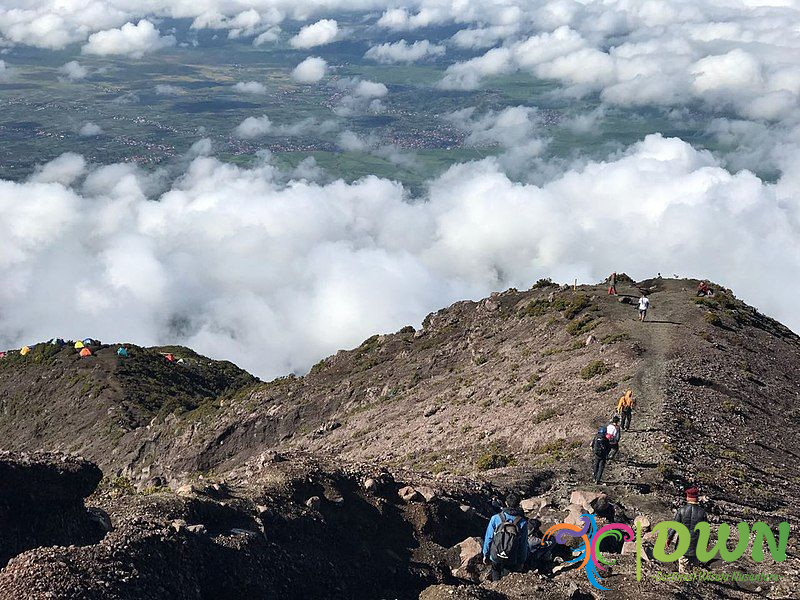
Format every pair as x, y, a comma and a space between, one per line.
85, 352
170, 357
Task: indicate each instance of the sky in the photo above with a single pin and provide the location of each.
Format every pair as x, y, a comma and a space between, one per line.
276, 269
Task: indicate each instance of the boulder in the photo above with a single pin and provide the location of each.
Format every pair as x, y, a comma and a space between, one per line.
178, 524
467, 557
370, 485
574, 516
629, 548
409, 494
644, 522
534, 505
590, 340
427, 493
197, 529
314, 502
467, 510
590, 501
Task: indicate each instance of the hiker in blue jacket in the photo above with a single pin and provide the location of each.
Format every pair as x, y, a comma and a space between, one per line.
505, 546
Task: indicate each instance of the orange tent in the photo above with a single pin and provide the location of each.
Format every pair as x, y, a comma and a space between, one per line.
86, 352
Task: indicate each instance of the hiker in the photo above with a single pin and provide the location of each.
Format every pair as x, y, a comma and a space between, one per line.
625, 409
644, 304
690, 514
703, 289
540, 551
122, 352
505, 547
613, 434
600, 447
612, 284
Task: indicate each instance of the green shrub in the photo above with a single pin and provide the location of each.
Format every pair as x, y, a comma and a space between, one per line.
544, 283
578, 303
493, 460
613, 338
581, 325
544, 415
713, 318
604, 387
594, 368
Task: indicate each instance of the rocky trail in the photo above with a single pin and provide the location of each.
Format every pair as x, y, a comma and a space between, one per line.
372, 475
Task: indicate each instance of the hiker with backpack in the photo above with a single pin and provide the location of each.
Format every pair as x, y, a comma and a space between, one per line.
613, 434
644, 304
612, 284
600, 447
690, 514
540, 551
505, 546
625, 409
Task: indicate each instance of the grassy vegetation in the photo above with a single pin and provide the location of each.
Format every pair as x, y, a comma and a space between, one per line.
713, 318
594, 368
582, 325
578, 303
493, 459
544, 283
544, 415
605, 386
613, 338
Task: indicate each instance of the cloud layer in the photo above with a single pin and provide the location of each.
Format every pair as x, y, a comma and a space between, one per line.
240, 264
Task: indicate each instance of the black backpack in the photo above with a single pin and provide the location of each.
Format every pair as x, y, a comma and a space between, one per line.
600, 444
506, 540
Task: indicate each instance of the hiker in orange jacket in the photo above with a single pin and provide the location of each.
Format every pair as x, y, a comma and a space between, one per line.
625, 409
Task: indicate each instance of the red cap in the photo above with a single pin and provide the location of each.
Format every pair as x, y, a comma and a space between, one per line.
692, 493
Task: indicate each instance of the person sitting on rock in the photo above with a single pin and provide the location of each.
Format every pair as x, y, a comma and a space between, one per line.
600, 448
690, 514
613, 434
540, 551
703, 289
625, 409
505, 545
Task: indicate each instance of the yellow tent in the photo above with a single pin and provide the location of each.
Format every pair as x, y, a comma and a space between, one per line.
24, 350
78, 345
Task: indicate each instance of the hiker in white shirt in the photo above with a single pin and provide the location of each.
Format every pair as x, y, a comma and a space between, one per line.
644, 304
612, 435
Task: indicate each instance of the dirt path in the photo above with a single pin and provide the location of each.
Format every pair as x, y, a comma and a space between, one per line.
642, 451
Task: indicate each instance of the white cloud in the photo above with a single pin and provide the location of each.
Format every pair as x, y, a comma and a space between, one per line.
167, 89
250, 87
308, 269
73, 71
253, 127
311, 70
129, 40
363, 97
317, 34
403, 52
269, 36
90, 129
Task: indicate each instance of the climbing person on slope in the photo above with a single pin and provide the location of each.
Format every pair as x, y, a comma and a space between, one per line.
613, 433
625, 409
644, 304
540, 551
612, 284
600, 448
690, 514
505, 546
